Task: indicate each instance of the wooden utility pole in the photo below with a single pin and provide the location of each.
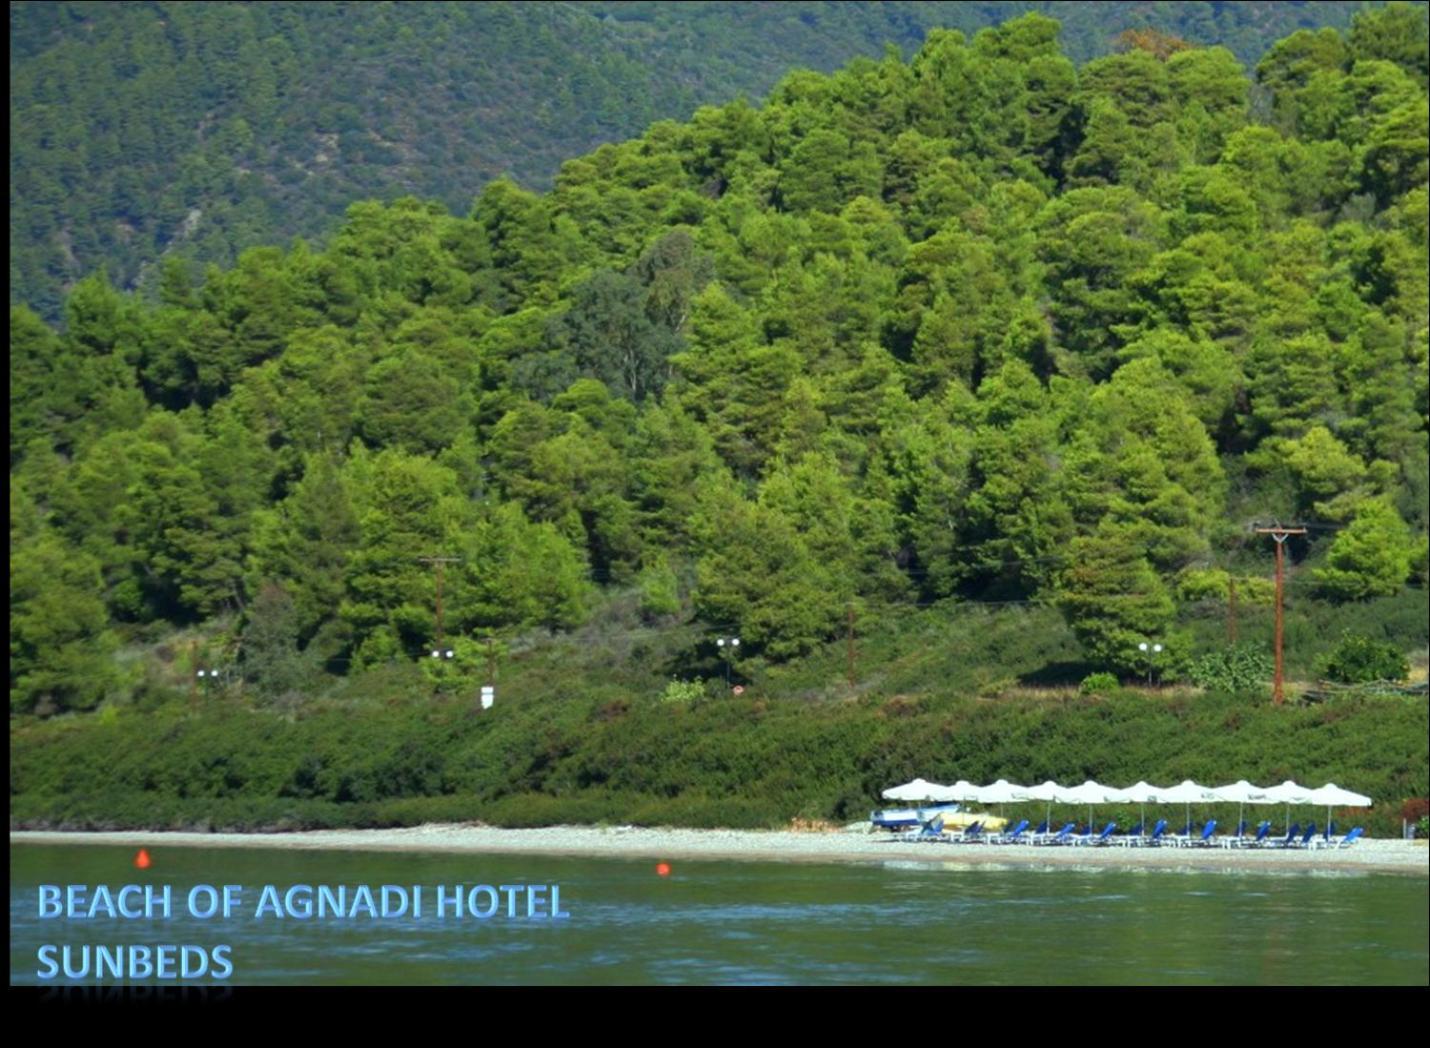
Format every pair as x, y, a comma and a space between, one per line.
438, 563
1280, 534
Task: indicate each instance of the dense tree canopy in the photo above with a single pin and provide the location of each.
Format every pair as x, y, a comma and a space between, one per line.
149, 135
982, 325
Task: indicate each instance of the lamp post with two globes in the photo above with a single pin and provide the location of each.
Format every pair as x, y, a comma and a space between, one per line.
728, 646
1150, 652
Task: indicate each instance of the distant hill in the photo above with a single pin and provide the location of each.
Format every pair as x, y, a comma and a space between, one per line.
197, 130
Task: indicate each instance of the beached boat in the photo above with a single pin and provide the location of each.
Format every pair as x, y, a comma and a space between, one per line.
954, 818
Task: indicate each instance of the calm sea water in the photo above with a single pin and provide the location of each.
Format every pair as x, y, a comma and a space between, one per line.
763, 923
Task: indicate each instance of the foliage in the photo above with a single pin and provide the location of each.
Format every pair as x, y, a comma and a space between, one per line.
1098, 684
1237, 670
543, 760
193, 137
1359, 659
684, 691
981, 326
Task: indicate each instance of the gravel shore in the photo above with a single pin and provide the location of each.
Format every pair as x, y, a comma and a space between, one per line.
852, 844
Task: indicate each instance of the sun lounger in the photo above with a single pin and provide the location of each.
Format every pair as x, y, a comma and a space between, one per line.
1140, 841
1007, 838
1180, 840
968, 834
1101, 838
1305, 841
1345, 842
1285, 842
1206, 841
929, 831
1061, 837
1244, 842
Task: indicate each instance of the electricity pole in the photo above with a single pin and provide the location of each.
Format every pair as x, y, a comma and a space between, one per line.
438, 563
1280, 534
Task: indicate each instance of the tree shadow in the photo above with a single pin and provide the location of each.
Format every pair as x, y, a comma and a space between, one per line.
1054, 674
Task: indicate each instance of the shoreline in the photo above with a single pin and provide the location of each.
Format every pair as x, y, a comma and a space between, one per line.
1404, 858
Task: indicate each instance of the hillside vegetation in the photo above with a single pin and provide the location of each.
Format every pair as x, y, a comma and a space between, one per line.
142, 131
977, 330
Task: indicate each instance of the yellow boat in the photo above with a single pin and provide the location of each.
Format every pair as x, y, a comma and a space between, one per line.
963, 819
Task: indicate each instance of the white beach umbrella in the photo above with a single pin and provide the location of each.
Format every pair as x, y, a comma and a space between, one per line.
1045, 791
1332, 795
918, 790
1186, 792
1240, 793
963, 790
1289, 793
1139, 793
1088, 793
1002, 792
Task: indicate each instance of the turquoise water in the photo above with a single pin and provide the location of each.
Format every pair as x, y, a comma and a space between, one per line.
759, 923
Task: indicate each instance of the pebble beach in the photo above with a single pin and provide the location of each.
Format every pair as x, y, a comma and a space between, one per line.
852, 844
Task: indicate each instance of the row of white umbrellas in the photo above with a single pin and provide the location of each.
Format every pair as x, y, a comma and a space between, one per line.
1186, 792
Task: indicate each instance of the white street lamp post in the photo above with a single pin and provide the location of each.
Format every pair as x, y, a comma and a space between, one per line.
728, 647
1149, 651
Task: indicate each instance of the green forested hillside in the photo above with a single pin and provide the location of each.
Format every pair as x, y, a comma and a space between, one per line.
149, 130
981, 326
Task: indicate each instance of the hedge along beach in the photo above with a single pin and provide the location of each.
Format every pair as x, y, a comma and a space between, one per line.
852, 844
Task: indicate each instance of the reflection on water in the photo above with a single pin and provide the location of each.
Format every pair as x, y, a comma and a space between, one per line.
772, 923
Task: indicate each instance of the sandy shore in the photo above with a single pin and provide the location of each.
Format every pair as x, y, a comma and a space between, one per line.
849, 845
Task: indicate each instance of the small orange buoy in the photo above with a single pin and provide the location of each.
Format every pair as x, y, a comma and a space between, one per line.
142, 860
662, 869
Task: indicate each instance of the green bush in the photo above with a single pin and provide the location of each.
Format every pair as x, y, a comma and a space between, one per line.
1099, 684
684, 691
1358, 660
1236, 670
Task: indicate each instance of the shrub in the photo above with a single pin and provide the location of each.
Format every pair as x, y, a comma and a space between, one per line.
1235, 670
1358, 660
1098, 684
1415, 809
684, 691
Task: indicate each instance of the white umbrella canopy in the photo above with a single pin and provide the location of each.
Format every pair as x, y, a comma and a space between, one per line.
963, 790
1332, 795
1003, 792
1139, 793
1088, 793
1288, 793
918, 790
1045, 791
1241, 793
1186, 792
